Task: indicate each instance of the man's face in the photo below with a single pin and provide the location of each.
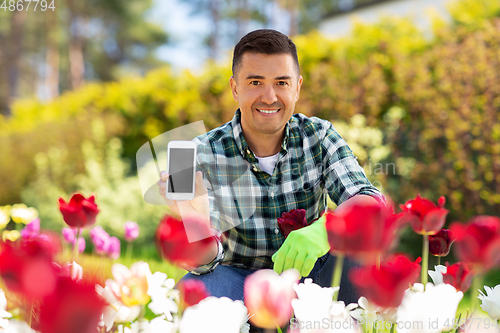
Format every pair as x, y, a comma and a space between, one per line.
266, 88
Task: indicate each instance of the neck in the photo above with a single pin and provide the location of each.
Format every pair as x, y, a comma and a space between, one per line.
265, 145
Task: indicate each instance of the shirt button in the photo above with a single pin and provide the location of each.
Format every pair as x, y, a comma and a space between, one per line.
276, 231
272, 194
255, 168
248, 151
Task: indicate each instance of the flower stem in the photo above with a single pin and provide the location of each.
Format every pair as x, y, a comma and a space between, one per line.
75, 245
439, 261
425, 260
129, 251
337, 274
477, 283
392, 328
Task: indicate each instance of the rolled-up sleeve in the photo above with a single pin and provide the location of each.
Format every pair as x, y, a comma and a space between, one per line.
344, 177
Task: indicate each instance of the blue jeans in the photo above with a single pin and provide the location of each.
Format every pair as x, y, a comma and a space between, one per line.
228, 281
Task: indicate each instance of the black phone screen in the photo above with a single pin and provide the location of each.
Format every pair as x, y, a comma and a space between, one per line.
181, 163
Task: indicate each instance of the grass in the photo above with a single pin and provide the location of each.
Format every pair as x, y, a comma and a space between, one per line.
99, 267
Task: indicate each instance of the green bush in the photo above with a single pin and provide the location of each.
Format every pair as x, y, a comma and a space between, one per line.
118, 196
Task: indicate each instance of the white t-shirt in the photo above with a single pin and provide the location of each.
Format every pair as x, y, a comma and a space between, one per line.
267, 163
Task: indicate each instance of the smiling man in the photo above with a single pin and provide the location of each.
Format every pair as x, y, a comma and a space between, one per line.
291, 162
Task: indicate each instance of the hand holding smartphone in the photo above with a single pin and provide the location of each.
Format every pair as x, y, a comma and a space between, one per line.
181, 169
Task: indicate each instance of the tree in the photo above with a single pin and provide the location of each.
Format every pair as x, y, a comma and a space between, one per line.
61, 48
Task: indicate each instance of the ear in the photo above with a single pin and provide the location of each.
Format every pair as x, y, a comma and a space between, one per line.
299, 84
234, 88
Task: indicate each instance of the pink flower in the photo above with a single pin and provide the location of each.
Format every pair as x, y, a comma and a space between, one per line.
32, 229
131, 231
81, 244
292, 220
268, 297
69, 234
114, 248
424, 216
79, 212
100, 238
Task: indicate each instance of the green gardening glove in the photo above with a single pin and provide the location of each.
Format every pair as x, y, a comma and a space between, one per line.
302, 248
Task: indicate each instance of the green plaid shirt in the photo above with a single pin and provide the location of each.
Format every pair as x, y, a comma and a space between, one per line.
245, 201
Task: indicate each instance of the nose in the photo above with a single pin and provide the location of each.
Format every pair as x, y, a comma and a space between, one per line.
269, 95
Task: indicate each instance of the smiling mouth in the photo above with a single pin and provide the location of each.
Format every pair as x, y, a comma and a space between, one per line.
268, 111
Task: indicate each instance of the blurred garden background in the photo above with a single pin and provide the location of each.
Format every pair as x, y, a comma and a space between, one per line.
84, 86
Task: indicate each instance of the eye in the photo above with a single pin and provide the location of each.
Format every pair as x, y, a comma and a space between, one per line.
254, 83
282, 83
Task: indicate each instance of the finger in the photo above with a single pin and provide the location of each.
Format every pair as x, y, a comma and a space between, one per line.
299, 261
290, 259
309, 263
280, 258
164, 175
200, 188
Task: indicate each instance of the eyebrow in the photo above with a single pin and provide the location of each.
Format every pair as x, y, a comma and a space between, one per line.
260, 77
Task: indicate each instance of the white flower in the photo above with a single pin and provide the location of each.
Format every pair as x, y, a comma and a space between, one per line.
157, 325
4, 322
437, 274
160, 325
116, 311
222, 314
370, 312
130, 286
491, 301
313, 302
429, 311
162, 294
315, 305
17, 326
245, 328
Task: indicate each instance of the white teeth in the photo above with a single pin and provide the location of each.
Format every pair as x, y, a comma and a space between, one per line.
268, 111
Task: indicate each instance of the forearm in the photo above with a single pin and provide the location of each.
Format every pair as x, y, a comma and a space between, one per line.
209, 255
360, 199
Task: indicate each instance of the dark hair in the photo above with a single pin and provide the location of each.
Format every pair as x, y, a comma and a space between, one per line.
266, 41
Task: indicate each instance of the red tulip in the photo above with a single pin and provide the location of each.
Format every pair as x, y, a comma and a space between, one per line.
292, 220
192, 292
440, 243
26, 267
478, 242
362, 232
174, 244
73, 307
385, 286
459, 276
79, 212
424, 216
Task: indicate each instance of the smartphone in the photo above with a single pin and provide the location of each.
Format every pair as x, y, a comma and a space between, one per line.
181, 169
